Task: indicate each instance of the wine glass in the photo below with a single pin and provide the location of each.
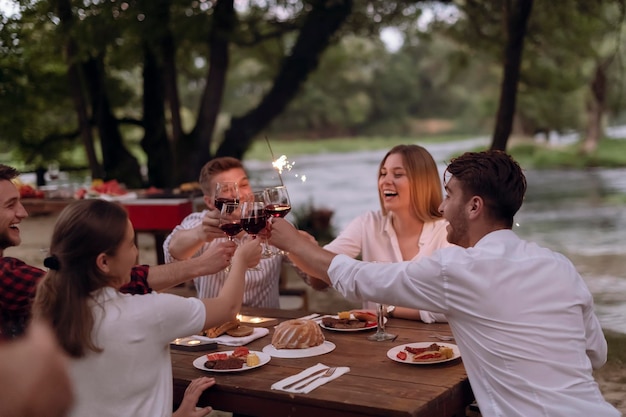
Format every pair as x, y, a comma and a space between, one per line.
277, 204
226, 192
260, 197
230, 221
253, 220
381, 334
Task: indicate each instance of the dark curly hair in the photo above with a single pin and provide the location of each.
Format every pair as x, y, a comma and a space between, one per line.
494, 176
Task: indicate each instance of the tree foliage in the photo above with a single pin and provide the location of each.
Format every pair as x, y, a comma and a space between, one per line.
170, 83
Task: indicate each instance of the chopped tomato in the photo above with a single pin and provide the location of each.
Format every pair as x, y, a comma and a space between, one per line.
240, 352
401, 355
216, 356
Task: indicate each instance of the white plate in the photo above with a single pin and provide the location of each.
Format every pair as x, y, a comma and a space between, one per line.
199, 362
391, 353
369, 326
299, 353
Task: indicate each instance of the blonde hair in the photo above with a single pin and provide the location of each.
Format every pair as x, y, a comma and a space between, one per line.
425, 185
84, 230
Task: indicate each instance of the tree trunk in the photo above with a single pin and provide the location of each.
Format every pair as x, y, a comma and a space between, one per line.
320, 25
516, 15
76, 85
155, 142
595, 110
117, 162
196, 150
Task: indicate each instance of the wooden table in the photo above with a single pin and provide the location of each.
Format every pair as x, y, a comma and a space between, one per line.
375, 385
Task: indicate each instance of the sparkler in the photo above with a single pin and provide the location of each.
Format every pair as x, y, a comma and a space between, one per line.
275, 161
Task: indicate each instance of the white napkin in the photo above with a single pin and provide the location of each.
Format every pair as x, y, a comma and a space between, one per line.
310, 387
227, 340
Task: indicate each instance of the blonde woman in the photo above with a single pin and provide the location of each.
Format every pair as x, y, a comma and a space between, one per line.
408, 225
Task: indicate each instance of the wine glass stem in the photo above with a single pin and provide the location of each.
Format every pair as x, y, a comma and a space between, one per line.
380, 318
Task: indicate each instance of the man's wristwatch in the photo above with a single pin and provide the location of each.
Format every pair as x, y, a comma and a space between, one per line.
390, 310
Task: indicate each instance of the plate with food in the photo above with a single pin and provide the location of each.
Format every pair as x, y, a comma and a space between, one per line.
298, 338
349, 321
423, 353
238, 360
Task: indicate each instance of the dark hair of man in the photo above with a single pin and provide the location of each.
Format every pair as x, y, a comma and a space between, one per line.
8, 173
495, 177
214, 167
83, 231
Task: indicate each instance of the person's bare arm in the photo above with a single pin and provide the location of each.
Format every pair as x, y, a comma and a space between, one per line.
162, 277
302, 268
33, 376
186, 242
311, 257
227, 304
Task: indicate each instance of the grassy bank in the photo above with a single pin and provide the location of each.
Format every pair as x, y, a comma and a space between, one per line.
293, 147
611, 153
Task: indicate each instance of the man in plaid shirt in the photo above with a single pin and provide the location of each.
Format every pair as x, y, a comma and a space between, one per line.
18, 280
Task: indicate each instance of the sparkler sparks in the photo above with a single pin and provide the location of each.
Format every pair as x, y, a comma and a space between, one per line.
283, 164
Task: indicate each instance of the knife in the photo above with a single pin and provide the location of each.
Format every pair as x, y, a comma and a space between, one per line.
310, 316
305, 378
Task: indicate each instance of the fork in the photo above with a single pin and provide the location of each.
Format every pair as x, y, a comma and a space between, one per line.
442, 337
329, 372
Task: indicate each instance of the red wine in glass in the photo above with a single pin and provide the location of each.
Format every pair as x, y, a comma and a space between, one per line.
253, 225
277, 210
220, 201
231, 229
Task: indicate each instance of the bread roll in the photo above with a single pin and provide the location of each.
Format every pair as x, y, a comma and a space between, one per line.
240, 331
214, 332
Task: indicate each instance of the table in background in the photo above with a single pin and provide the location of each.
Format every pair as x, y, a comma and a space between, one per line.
375, 385
157, 216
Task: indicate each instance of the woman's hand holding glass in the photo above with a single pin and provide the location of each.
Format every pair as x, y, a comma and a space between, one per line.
248, 253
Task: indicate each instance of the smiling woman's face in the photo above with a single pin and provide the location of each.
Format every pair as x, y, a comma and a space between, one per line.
393, 184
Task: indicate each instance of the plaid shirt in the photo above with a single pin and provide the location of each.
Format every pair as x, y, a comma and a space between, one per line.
18, 282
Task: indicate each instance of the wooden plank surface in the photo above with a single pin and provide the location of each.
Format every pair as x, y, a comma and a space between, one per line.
375, 385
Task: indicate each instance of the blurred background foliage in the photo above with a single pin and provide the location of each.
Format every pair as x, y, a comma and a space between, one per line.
167, 84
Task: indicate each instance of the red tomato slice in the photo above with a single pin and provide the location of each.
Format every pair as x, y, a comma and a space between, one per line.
216, 356
401, 355
240, 352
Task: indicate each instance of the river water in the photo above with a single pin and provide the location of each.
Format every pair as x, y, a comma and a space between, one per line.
578, 213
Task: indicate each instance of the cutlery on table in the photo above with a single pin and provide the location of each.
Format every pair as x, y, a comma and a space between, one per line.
319, 371
442, 337
310, 316
329, 372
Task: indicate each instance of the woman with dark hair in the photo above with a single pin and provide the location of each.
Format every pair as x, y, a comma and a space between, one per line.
408, 225
113, 337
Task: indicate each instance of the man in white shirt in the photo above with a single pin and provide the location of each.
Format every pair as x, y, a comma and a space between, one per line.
522, 316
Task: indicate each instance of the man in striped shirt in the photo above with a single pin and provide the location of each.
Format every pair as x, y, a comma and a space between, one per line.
200, 232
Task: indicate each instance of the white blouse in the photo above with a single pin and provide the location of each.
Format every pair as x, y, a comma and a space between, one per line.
373, 237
